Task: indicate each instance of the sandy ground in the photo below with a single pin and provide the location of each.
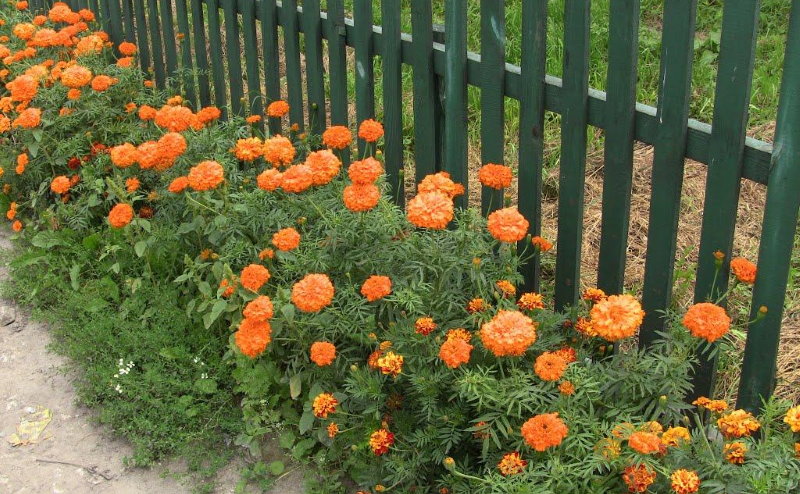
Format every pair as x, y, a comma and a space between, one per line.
73, 454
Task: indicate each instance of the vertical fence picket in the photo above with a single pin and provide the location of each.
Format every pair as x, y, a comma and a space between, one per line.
337, 62
573, 152
623, 53
233, 55
217, 67
393, 99
315, 82
668, 162
115, 26
268, 13
127, 19
93, 4
365, 77
455, 88
155, 38
104, 18
142, 40
200, 52
168, 30
778, 233
493, 70
184, 40
531, 127
255, 100
294, 77
425, 95
723, 182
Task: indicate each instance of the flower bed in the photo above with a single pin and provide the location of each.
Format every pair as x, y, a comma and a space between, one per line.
389, 345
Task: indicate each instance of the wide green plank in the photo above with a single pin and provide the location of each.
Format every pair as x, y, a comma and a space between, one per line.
668, 162
777, 234
233, 55
393, 99
493, 38
573, 152
155, 38
95, 6
315, 82
184, 40
623, 53
254, 98
217, 65
365, 77
103, 16
425, 94
455, 88
723, 182
336, 33
200, 52
531, 127
168, 28
142, 37
268, 14
294, 77
127, 19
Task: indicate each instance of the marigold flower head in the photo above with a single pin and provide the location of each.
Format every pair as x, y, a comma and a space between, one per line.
366, 171
259, 309
376, 287
391, 364
208, 114
28, 119
125, 62
638, 478
89, 45
507, 289
60, 185
313, 293
716, 406
127, 48
476, 305
76, 77
178, 185
253, 119
323, 353
333, 430
507, 225
206, 175
16, 226
269, 180
706, 320
23, 88
511, 464
738, 423
608, 448
228, 287
675, 436
337, 137
22, 162
459, 333
645, 443
495, 176
734, 452
684, 481
266, 254
361, 198
120, 215
544, 431
324, 404
324, 165
617, 317
594, 294
454, 352
286, 239
549, 366
175, 118
424, 325
279, 150
254, 276
24, 30
253, 336
132, 184
249, 149
370, 130
530, 301
440, 182
297, 178
380, 441
509, 333
566, 388
101, 83
147, 112
744, 270
124, 155
277, 109
792, 418
171, 146
432, 210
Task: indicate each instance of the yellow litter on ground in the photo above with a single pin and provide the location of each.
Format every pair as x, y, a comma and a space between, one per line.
30, 428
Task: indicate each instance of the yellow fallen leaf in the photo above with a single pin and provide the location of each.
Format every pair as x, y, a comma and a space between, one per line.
30, 428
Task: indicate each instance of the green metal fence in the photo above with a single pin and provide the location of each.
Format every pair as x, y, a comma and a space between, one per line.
187, 36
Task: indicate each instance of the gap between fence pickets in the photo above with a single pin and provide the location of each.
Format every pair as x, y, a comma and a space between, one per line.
757, 154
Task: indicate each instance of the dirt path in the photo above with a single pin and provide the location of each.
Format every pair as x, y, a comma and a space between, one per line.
73, 454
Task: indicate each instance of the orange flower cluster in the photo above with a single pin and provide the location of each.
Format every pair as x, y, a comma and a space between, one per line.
734, 452
259, 309
249, 149
646, 443
530, 301
324, 166
127, 48
617, 317
541, 244
507, 289
337, 137
706, 320
424, 326
370, 130
792, 418
254, 276
440, 182
738, 423
279, 151
511, 464
544, 431
361, 198
323, 353
333, 430
594, 295
132, 184
376, 287
495, 176
454, 352
432, 210
277, 109
23, 89
120, 215
366, 171
744, 270
675, 436
178, 185
509, 333
476, 305
638, 478
297, 178
60, 185
286, 239
313, 293
550, 366
380, 441
507, 225
76, 77
391, 364
460, 334
716, 406
684, 481
566, 388
176, 118
324, 404
206, 175
253, 336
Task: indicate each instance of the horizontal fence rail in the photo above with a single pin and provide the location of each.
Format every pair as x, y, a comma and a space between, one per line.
195, 46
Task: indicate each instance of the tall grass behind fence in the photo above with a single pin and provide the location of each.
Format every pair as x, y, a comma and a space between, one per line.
217, 51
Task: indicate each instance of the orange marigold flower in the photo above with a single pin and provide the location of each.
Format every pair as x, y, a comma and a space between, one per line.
360, 198
148, 154
646, 443
253, 119
22, 162
22, 5
269, 179
511, 464
253, 336
370, 130
23, 88
178, 185
594, 294
24, 30
333, 430
254, 276
28, 119
544, 431
60, 185
684, 481
206, 175
208, 114
16, 226
495, 176
324, 165
132, 184
424, 325
277, 109
738, 423
638, 478
455, 352
706, 320
380, 441
12, 211
297, 178
509, 333
249, 149
391, 364
147, 112
366, 171
530, 301
675, 436
120, 215
734, 452
171, 146
228, 287
266, 254
124, 155
476, 305
125, 62
323, 353
313, 293
324, 404
549, 366
506, 288
76, 77
459, 333
337, 137
376, 287
507, 225
716, 406
175, 100
279, 150
744, 270
102, 82
566, 388
440, 182
792, 418
5, 123
286, 239
175, 118
617, 317
259, 309
127, 48
567, 353
432, 210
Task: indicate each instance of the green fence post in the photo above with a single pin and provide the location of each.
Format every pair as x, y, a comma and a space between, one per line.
168, 29
183, 38
233, 55
365, 77
255, 100
155, 38
142, 39
217, 67
268, 12
294, 77
337, 63
315, 82
393, 100
455, 88
424, 88
493, 71
200, 52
